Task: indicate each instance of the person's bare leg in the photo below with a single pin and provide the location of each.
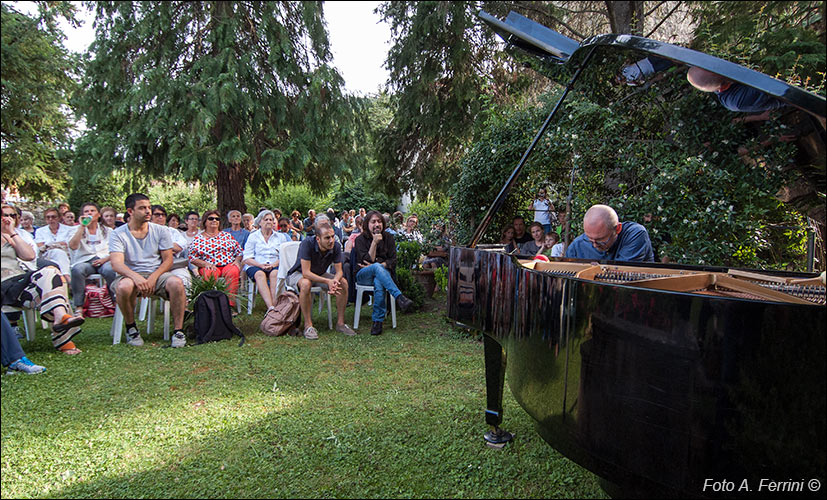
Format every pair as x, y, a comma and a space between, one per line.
263, 289
341, 303
305, 302
177, 301
125, 295
274, 280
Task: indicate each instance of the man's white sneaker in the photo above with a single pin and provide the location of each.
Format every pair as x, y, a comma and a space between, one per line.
133, 337
179, 339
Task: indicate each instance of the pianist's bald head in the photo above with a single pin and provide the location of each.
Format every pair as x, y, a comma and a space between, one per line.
601, 215
706, 81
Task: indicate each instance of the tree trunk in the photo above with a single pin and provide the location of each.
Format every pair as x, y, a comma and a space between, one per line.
230, 185
626, 17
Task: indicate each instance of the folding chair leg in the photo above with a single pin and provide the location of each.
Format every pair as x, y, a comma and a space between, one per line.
29, 324
166, 319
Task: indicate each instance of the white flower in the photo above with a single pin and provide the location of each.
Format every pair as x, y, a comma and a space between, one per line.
730, 208
708, 209
660, 208
574, 136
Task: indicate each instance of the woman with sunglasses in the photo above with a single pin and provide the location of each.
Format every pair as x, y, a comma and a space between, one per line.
216, 253
43, 288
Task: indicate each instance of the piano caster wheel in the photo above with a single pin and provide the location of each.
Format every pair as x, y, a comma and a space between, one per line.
498, 438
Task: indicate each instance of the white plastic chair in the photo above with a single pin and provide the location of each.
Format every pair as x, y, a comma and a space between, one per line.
29, 322
288, 253
361, 289
146, 306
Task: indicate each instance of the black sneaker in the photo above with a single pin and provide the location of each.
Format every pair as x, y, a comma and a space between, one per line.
377, 328
404, 303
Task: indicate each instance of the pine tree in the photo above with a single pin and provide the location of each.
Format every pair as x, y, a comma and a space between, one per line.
234, 93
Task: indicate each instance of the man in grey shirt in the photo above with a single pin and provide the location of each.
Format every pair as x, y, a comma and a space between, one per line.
141, 253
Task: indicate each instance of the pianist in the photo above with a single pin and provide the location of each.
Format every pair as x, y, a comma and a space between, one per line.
605, 238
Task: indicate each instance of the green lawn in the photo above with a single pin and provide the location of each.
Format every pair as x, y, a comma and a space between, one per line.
399, 415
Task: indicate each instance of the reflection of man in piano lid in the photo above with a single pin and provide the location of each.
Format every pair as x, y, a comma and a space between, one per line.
734, 96
606, 238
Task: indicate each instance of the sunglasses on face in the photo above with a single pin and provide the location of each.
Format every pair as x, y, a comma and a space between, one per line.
12, 215
51, 216
214, 218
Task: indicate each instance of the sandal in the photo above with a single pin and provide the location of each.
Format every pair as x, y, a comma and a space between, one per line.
68, 322
69, 349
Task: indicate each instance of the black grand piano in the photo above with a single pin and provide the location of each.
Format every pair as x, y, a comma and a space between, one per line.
661, 379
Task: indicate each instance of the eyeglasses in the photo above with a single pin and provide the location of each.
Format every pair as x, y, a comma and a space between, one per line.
601, 243
51, 217
214, 218
12, 215
159, 214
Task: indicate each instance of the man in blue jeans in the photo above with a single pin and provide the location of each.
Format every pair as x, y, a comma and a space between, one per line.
374, 251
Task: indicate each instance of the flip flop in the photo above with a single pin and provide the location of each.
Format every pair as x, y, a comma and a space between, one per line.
68, 322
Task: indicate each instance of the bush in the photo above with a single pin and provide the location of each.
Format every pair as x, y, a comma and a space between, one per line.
288, 197
354, 196
181, 197
410, 287
408, 253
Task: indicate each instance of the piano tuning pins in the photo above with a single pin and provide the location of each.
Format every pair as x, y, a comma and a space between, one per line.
813, 293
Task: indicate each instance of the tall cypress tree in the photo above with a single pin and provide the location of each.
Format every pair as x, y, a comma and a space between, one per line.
234, 93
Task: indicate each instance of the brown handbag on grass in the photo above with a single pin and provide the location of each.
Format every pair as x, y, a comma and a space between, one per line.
284, 316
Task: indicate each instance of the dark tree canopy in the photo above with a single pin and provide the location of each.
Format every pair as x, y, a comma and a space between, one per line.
37, 81
225, 92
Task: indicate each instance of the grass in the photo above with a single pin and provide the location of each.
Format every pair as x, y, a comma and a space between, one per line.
399, 415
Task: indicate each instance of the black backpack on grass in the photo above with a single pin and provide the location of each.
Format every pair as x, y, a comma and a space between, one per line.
213, 318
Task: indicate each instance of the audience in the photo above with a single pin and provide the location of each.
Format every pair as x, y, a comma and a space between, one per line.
520, 235
374, 253
411, 231
316, 254
173, 221
538, 236
90, 253
216, 253
235, 229
247, 221
261, 256
308, 222
296, 222
68, 218
141, 254
27, 222
108, 217
42, 288
288, 229
53, 241
180, 247
507, 238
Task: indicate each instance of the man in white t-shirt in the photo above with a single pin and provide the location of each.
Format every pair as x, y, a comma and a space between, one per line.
141, 253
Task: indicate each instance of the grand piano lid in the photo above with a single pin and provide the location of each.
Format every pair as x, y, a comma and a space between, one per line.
552, 48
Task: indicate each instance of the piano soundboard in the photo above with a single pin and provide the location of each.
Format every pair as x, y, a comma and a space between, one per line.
733, 283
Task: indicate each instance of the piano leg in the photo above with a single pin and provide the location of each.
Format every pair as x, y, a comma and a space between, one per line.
494, 385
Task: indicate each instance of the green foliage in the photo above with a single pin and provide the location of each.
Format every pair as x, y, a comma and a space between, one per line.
289, 197
407, 254
233, 93
37, 81
410, 287
441, 66
355, 196
781, 39
181, 197
441, 277
103, 189
201, 284
717, 206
